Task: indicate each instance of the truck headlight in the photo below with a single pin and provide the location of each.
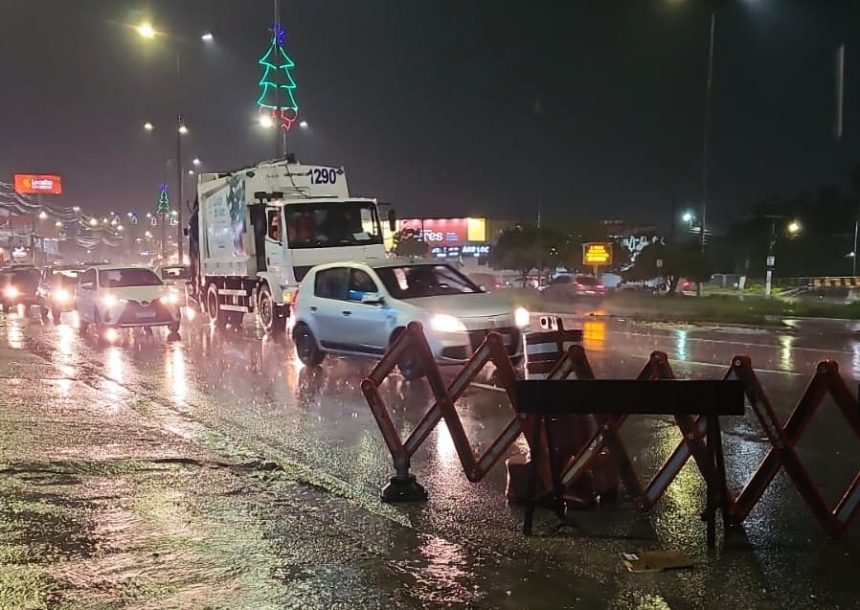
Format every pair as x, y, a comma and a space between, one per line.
522, 317
444, 323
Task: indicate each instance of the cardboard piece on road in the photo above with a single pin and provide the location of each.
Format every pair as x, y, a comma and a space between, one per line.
655, 561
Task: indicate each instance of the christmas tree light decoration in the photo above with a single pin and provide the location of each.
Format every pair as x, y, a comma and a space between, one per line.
277, 96
163, 205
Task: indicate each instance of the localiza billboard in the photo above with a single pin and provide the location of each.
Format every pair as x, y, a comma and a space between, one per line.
38, 184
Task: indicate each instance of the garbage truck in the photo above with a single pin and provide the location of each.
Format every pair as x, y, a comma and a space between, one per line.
255, 232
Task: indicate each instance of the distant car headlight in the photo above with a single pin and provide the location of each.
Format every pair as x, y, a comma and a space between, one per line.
171, 298
522, 317
11, 292
61, 296
445, 323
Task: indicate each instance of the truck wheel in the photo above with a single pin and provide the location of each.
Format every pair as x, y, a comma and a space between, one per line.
216, 316
306, 346
273, 323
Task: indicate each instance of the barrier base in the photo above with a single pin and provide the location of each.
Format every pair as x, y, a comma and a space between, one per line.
403, 489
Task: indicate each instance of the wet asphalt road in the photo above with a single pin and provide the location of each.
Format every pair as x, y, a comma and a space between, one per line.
463, 547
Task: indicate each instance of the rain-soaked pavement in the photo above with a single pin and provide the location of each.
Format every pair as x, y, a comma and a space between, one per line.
217, 472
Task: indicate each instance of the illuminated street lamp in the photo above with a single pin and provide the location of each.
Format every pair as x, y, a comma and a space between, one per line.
792, 228
94, 222
145, 30
303, 124
266, 121
43, 215
148, 126
207, 37
195, 162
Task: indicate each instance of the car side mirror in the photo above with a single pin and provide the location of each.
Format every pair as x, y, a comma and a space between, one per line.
392, 221
372, 298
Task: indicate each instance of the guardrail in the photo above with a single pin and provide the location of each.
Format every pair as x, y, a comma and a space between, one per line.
782, 438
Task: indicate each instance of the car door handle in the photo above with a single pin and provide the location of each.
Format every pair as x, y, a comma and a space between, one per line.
346, 313
313, 308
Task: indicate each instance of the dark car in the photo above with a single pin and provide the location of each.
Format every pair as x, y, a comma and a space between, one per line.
18, 286
56, 291
571, 286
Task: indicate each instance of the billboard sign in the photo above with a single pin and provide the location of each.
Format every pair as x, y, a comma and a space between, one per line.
38, 184
448, 231
597, 254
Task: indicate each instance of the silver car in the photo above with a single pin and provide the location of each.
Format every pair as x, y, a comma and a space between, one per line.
359, 309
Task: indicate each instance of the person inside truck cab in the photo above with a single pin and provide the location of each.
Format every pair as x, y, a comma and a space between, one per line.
275, 227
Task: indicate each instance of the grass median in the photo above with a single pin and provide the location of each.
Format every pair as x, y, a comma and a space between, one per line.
715, 309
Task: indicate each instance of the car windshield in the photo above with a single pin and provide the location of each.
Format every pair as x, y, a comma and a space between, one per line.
25, 278
416, 281
66, 277
327, 224
124, 278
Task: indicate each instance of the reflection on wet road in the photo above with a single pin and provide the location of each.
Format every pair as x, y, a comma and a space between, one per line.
252, 389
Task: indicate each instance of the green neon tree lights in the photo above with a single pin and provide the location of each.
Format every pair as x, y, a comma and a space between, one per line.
163, 204
277, 87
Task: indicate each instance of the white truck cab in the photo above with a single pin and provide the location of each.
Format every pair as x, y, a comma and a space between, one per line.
257, 231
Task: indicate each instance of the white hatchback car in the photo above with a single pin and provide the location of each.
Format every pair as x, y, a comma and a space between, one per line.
358, 309
122, 297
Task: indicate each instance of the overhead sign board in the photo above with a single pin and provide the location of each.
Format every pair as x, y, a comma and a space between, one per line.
38, 184
598, 253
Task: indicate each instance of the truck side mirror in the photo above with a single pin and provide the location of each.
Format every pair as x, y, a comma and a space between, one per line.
392, 220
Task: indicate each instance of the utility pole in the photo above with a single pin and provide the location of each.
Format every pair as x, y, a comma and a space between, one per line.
280, 132
180, 178
706, 140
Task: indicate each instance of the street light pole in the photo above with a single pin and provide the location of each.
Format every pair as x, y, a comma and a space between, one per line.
706, 140
180, 250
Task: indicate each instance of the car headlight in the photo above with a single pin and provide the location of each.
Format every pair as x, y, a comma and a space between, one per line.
445, 323
11, 292
110, 300
171, 298
61, 296
522, 317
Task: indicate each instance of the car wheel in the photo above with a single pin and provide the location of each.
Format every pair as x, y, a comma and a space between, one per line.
409, 365
272, 323
306, 346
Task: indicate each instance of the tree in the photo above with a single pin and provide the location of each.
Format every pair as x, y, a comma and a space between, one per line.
527, 247
408, 243
162, 206
277, 95
672, 262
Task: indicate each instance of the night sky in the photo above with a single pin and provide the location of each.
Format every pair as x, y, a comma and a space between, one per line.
431, 105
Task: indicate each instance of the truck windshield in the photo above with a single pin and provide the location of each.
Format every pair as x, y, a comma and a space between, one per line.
327, 224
